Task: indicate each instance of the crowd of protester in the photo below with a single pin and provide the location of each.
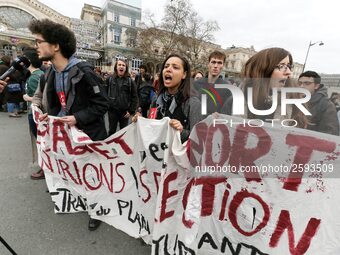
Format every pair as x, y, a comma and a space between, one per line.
174, 92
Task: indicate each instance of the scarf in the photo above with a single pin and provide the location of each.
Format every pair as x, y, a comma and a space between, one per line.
167, 103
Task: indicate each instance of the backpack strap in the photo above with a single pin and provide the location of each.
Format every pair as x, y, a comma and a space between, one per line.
44, 78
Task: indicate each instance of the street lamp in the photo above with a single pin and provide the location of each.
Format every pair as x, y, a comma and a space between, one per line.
310, 45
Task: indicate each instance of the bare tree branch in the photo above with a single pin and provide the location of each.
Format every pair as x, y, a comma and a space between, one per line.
181, 30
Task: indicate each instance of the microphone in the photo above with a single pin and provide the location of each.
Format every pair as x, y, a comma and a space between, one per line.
20, 63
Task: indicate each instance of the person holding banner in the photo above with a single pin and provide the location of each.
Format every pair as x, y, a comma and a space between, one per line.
267, 69
174, 99
70, 89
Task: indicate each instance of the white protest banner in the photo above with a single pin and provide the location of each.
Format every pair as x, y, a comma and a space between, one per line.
220, 207
241, 192
115, 180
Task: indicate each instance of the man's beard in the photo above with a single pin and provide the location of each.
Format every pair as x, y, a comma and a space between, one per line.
46, 58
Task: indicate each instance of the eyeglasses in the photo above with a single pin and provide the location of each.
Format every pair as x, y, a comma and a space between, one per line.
305, 83
213, 62
38, 42
284, 67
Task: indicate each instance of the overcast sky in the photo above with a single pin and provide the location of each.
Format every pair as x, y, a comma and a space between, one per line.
290, 24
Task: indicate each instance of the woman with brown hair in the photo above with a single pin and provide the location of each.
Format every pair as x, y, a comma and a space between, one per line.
268, 69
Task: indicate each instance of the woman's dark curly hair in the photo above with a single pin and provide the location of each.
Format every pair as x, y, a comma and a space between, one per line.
55, 33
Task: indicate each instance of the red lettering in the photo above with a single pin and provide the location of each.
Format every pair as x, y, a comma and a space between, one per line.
224, 203
208, 193
48, 164
119, 140
66, 170
103, 177
235, 204
59, 170
187, 223
305, 147
36, 115
201, 131
121, 177
225, 145
43, 132
208, 196
166, 195
105, 153
60, 135
80, 150
284, 223
240, 155
90, 167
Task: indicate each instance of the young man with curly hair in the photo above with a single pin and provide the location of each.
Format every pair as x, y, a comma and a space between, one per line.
73, 93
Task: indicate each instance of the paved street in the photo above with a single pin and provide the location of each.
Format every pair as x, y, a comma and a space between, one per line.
28, 222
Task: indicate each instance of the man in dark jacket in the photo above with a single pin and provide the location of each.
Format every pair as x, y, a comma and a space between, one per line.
324, 117
70, 92
145, 94
139, 77
215, 97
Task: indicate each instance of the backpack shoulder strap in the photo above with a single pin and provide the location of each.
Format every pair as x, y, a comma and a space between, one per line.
90, 76
44, 78
84, 66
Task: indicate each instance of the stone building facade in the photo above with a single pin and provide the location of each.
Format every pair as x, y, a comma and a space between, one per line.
105, 34
120, 23
15, 15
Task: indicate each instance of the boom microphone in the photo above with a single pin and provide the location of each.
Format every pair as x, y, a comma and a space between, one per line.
20, 63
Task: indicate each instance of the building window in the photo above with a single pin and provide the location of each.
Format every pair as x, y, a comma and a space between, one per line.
135, 63
120, 57
131, 42
116, 18
133, 22
116, 36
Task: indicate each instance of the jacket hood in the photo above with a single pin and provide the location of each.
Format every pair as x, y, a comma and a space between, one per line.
320, 93
72, 62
